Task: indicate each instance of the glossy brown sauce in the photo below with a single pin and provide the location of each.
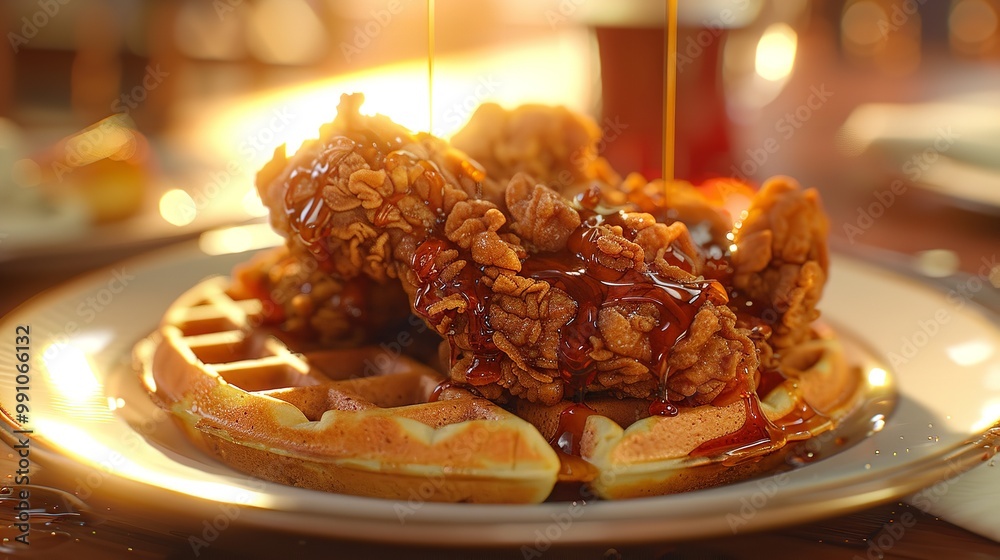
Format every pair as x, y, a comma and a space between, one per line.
719, 269
578, 272
309, 217
381, 217
589, 198
662, 407
566, 442
768, 380
757, 432
484, 364
803, 418
572, 421
574, 468
441, 387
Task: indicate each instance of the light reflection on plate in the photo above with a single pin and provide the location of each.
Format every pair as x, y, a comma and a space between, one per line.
114, 436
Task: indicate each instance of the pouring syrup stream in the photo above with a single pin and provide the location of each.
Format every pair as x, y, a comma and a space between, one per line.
430, 67
669, 91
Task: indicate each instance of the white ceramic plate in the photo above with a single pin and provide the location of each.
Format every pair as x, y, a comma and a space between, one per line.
97, 435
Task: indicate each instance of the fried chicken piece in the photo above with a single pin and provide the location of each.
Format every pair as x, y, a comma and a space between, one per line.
561, 150
782, 260
702, 210
301, 298
598, 316
536, 296
541, 217
780, 264
556, 146
714, 352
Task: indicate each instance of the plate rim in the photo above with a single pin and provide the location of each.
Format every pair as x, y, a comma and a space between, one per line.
909, 477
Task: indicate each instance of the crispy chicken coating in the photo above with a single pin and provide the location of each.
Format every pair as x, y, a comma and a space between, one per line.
299, 297
543, 219
781, 262
681, 202
556, 146
599, 316
538, 297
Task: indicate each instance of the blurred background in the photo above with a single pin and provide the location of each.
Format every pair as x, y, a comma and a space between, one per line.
126, 125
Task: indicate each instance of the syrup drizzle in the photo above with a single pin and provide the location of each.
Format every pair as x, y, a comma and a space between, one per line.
566, 441
432, 289
662, 407
669, 90
572, 421
578, 272
757, 432
768, 380
440, 388
309, 216
430, 66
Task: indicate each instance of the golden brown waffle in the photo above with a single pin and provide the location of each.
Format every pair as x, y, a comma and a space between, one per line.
655, 455
314, 420
309, 420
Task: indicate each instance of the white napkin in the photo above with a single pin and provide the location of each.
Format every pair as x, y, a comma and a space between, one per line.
970, 500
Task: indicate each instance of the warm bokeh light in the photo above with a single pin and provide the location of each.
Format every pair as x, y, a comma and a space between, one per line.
71, 372
177, 207
878, 377
989, 416
85, 446
285, 32
972, 21
972, 26
938, 263
548, 70
889, 40
116, 403
776, 52
238, 239
111, 138
878, 422
756, 68
860, 25
971, 353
